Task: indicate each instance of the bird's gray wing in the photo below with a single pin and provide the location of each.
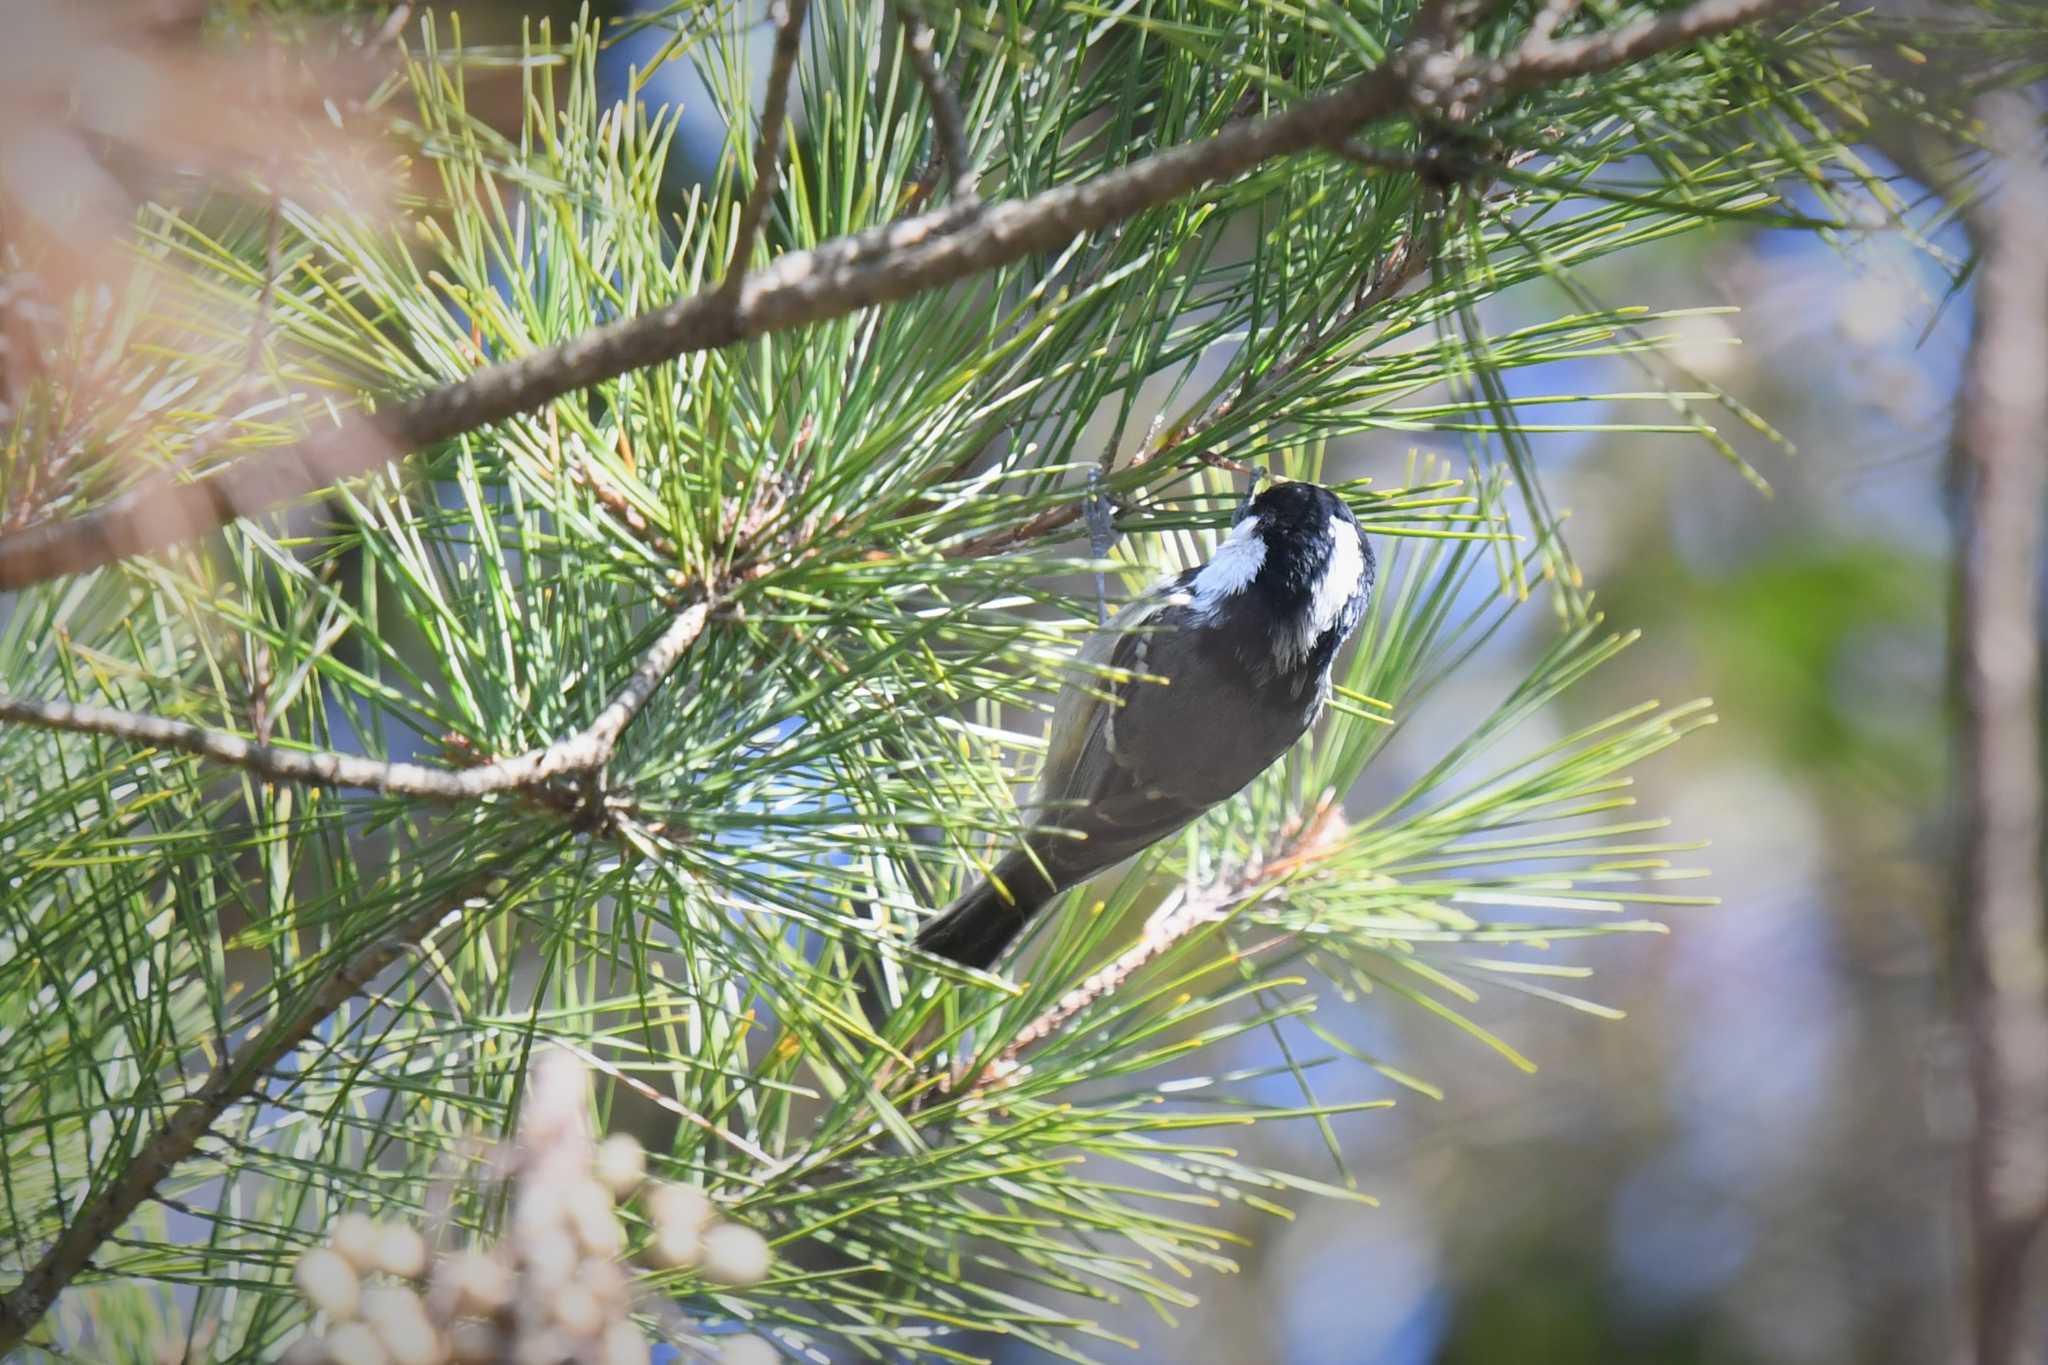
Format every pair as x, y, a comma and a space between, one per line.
1078, 744
1093, 785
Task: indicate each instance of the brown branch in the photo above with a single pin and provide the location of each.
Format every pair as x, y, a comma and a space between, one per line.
1179, 915
949, 124
1396, 159
1301, 842
2000, 454
789, 26
1544, 63
179, 1133
585, 751
877, 266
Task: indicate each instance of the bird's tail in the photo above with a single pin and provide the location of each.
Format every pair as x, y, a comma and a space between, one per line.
975, 929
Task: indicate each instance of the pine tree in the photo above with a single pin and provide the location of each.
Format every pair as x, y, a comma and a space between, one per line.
570, 613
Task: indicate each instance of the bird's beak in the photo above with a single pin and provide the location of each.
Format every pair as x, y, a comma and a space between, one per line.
1251, 491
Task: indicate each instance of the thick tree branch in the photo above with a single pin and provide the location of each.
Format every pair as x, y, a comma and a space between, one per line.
949, 124
2002, 452
179, 1133
585, 751
874, 267
789, 27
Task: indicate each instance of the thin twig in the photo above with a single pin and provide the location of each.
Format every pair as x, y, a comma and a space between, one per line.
2001, 452
1534, 64
1303, 841
179, 1133
1179, 915
616, 502
588, 750
789, 27
880, 265
1396, 159
949, 124
674, 1106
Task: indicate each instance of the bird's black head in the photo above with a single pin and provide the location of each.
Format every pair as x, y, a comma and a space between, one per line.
1297, 557
1299, 524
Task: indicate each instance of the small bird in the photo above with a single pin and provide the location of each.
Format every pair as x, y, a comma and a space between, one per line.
1219, 672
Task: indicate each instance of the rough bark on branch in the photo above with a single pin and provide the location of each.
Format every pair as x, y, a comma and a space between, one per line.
874, 267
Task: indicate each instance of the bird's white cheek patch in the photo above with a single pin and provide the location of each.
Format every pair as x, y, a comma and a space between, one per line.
1341, 577
1236, 563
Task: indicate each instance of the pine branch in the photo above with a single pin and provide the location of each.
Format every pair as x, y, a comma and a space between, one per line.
177, 1136
1545, 61
586, 751
862, 270
949, 125
1407, 262
789, 25
1181, 914
731, 958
